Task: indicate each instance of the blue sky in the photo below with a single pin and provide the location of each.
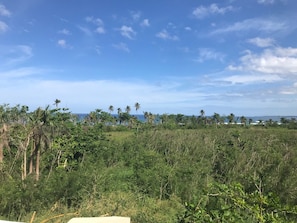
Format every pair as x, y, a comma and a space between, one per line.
171, 56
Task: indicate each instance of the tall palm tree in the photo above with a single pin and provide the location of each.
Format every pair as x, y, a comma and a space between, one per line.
243, 120
111, 108
3, 140
4, 127
137, 106
57, 102
128, 109
216, 119
202, 113
231, 118
42, 131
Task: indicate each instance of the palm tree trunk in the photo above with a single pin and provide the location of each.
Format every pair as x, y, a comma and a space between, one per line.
37, 164
32, 157
24, 170
1, 152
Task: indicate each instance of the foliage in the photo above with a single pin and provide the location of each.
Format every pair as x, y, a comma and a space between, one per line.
223, 203
169, 168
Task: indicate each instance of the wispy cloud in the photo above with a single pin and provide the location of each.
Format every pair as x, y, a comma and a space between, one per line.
209, 54
4, 11
266, 1
13, 55
145, 23
121, 46
258, 24
98, 23
127, 32
20, 72
3, 27
64, 32
63, 43
202, 11
166, 36
83, 101
261, 42
85, 30
135, 15
249, 79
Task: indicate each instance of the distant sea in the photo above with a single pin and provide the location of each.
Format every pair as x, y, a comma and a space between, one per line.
237, 118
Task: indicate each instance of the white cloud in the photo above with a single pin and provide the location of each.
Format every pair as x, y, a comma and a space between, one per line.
127, 31
248, 79
120, 94
98, 50
64, 32
166, 36
62, 43
135, 15
100, 30
145, 23
3, 27
209, 54
20, 72
202, 11
4, 11
95, 21
262, 42
188, 28
98, 23
258, 24
85, 30
266, 1
280, 61
13, 55
121, 46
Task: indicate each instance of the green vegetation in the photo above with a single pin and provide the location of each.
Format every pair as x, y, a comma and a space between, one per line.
170, 168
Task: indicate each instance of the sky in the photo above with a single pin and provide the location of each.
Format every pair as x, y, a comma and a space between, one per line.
170, 56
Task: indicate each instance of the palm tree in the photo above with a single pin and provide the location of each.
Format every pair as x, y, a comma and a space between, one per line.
111, 108
202, 113
231, 118
41, 127
216, 118
3, 140
128, 109
243, 120
4, 126
202, 118
57, 102
137, 106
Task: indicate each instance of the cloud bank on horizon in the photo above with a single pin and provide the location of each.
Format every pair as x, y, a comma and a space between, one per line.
169, 56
